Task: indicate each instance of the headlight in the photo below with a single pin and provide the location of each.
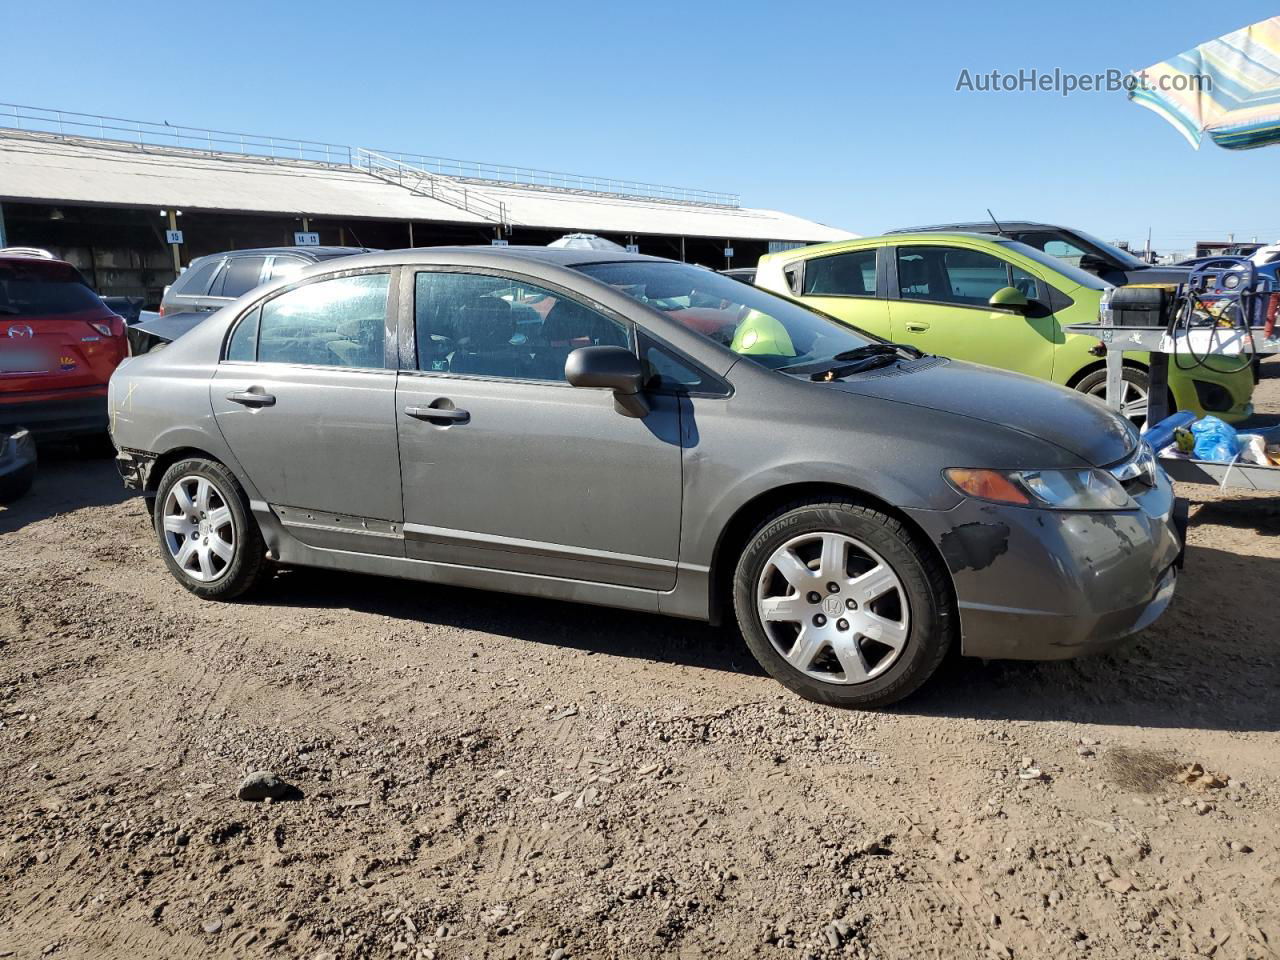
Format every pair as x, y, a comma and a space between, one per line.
1055, 489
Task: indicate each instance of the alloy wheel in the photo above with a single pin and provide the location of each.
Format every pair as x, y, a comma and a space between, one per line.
1133, 399
198, 528
833, 608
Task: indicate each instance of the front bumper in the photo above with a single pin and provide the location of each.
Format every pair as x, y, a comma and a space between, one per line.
61, 415
1049, 584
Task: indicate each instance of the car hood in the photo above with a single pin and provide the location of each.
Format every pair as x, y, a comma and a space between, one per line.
1072, 421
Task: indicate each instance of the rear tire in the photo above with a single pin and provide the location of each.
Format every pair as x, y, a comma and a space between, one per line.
208, 537
863, 618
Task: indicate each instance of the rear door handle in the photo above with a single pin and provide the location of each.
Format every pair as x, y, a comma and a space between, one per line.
251, 398
442, 416
917, 327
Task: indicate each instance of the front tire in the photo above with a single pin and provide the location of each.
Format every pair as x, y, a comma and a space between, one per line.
208, 538
840, 604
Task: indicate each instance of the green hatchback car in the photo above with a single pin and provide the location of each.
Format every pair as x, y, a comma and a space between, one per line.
988, 300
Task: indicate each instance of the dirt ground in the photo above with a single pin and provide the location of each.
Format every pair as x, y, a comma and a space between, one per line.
491, 776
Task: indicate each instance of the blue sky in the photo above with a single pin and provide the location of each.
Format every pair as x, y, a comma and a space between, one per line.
846, 113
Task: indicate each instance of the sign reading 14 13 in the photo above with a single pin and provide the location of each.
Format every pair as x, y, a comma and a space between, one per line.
310, 239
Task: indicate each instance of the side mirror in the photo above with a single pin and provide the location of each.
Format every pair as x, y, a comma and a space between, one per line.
1009, 298
614, 367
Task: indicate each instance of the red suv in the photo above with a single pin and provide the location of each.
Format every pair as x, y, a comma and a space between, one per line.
59, 344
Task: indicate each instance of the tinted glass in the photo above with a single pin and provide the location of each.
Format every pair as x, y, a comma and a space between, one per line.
1060, 267
42, 289
487, 326
195, 281
1126, 258
753, 323
241, 276
666, 370
1025, 282
949, 275
1054, 245
336, 323
285, 267
843, 275
244, 341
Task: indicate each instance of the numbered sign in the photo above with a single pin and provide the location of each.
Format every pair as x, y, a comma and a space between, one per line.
633, 248
500, 243
728, 252
309, 239
173, 236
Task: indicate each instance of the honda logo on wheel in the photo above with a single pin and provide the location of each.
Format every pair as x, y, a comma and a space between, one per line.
19, 330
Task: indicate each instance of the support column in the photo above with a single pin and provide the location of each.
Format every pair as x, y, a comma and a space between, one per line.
682, 256
411, 234
3, 242
177, 252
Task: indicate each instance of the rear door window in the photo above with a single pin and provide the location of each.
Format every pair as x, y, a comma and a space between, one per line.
340, 322
43, 289
241, 276
850, 274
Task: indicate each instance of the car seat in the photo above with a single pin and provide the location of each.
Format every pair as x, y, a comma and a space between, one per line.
567, 327
486, 326
913, 276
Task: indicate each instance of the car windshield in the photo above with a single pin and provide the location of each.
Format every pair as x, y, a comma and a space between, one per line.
42, 289
755, 324
1126, 258
1057, 265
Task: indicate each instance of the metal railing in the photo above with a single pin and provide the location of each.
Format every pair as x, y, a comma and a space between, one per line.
554, 180
146, 133
426, 184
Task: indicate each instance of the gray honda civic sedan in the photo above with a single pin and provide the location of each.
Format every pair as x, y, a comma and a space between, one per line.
639, 433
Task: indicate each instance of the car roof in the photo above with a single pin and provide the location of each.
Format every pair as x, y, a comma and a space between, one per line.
313, 253
898, 236
980, 226
494, 256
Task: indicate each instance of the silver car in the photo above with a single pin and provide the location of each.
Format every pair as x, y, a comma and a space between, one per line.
639, 433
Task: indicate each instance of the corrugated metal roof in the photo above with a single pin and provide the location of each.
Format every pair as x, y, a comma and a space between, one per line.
53, 169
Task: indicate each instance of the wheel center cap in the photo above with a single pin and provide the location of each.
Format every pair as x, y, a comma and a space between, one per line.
832, 606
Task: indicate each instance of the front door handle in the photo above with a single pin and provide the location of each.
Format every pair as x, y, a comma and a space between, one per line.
441, 416
917, 326
252, 398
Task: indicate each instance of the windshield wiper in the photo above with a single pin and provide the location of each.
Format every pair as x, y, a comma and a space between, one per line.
904, 350
867, 362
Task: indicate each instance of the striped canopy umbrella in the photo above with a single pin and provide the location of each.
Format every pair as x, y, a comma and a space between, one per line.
1228, 88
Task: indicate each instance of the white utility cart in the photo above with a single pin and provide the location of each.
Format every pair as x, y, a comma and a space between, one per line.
1196, 342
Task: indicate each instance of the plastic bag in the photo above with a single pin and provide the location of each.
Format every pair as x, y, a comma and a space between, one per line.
1215, 440
1253, 449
